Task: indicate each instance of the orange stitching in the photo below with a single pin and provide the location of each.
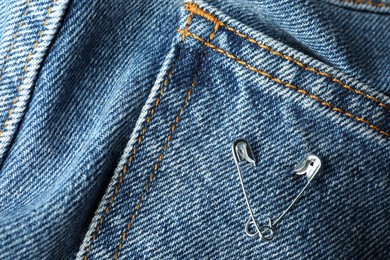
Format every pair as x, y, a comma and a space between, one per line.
139, 140
212, 35
14, 39
196, 10
29, 56
306, 93
366, 2
165, 147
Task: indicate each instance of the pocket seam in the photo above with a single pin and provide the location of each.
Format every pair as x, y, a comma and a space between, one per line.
279, 81
15, 35
365, 2
168, 138
29, 57
135, 149
195, 9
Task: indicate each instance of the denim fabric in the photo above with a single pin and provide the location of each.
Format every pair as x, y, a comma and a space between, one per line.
137, 104
92, 85
26, 34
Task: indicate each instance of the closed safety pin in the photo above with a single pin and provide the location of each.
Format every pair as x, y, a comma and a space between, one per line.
309, 167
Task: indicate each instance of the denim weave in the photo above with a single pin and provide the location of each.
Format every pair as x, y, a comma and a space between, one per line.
178, 195
119, 143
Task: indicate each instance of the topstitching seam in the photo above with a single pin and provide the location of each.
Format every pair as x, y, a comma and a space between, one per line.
366, 2
135, 149
29, 56
14, 40
165, 147
194, 8
277, 80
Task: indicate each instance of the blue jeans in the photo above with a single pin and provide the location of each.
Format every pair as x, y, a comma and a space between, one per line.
117, 120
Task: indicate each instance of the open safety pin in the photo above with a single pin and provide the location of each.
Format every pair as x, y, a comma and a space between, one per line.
309, 167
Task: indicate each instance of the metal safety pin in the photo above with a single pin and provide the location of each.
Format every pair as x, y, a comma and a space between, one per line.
309, 167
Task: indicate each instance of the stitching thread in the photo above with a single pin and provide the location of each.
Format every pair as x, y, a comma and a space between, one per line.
29, 56
302, 91
200, 12
366, 2
194, 9
165, 147
139, 140
14, 39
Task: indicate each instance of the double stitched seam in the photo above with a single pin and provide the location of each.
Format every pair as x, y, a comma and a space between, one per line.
14, 39
306, 93
194, 8
366, 3
29, 56
165, 147
135, 149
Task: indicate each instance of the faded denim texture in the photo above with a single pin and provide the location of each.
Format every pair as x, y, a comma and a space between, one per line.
117, 119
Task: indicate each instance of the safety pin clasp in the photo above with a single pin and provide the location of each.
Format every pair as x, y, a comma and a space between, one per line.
242, 151
309, 167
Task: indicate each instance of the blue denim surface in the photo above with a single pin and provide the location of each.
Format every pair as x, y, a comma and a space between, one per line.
154, 93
